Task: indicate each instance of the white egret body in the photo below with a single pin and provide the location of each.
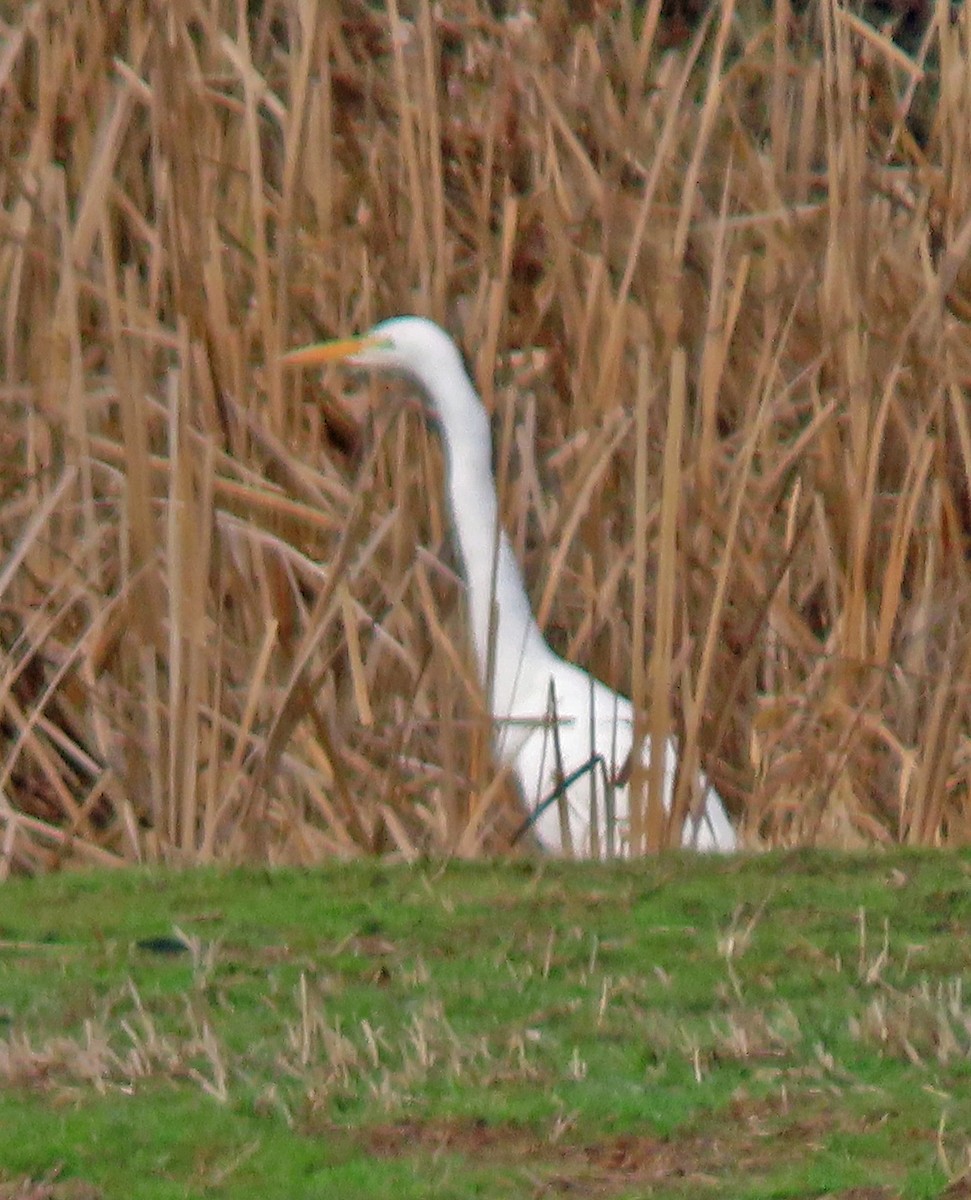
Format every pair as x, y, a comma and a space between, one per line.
567, 736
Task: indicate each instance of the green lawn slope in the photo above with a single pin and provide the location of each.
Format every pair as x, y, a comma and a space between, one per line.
787, 1026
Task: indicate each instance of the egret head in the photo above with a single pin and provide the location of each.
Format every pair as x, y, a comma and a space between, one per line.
418, 349
412, 346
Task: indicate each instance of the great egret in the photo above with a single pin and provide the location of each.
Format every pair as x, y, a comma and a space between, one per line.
567, 736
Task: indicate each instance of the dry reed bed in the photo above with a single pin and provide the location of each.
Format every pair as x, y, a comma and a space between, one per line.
715, 295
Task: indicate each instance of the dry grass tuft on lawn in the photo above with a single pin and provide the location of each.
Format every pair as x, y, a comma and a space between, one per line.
231, 626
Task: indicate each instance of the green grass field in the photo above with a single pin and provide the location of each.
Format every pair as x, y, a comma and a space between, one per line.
790, 1025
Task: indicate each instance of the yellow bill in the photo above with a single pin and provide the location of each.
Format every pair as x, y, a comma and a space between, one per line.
328, 352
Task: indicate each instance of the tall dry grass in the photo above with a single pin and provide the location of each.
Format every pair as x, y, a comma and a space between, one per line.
230, 619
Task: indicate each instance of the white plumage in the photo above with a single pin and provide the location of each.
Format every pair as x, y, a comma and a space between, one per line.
554, 723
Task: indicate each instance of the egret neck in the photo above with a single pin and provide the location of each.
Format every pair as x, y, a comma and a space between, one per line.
504, 632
